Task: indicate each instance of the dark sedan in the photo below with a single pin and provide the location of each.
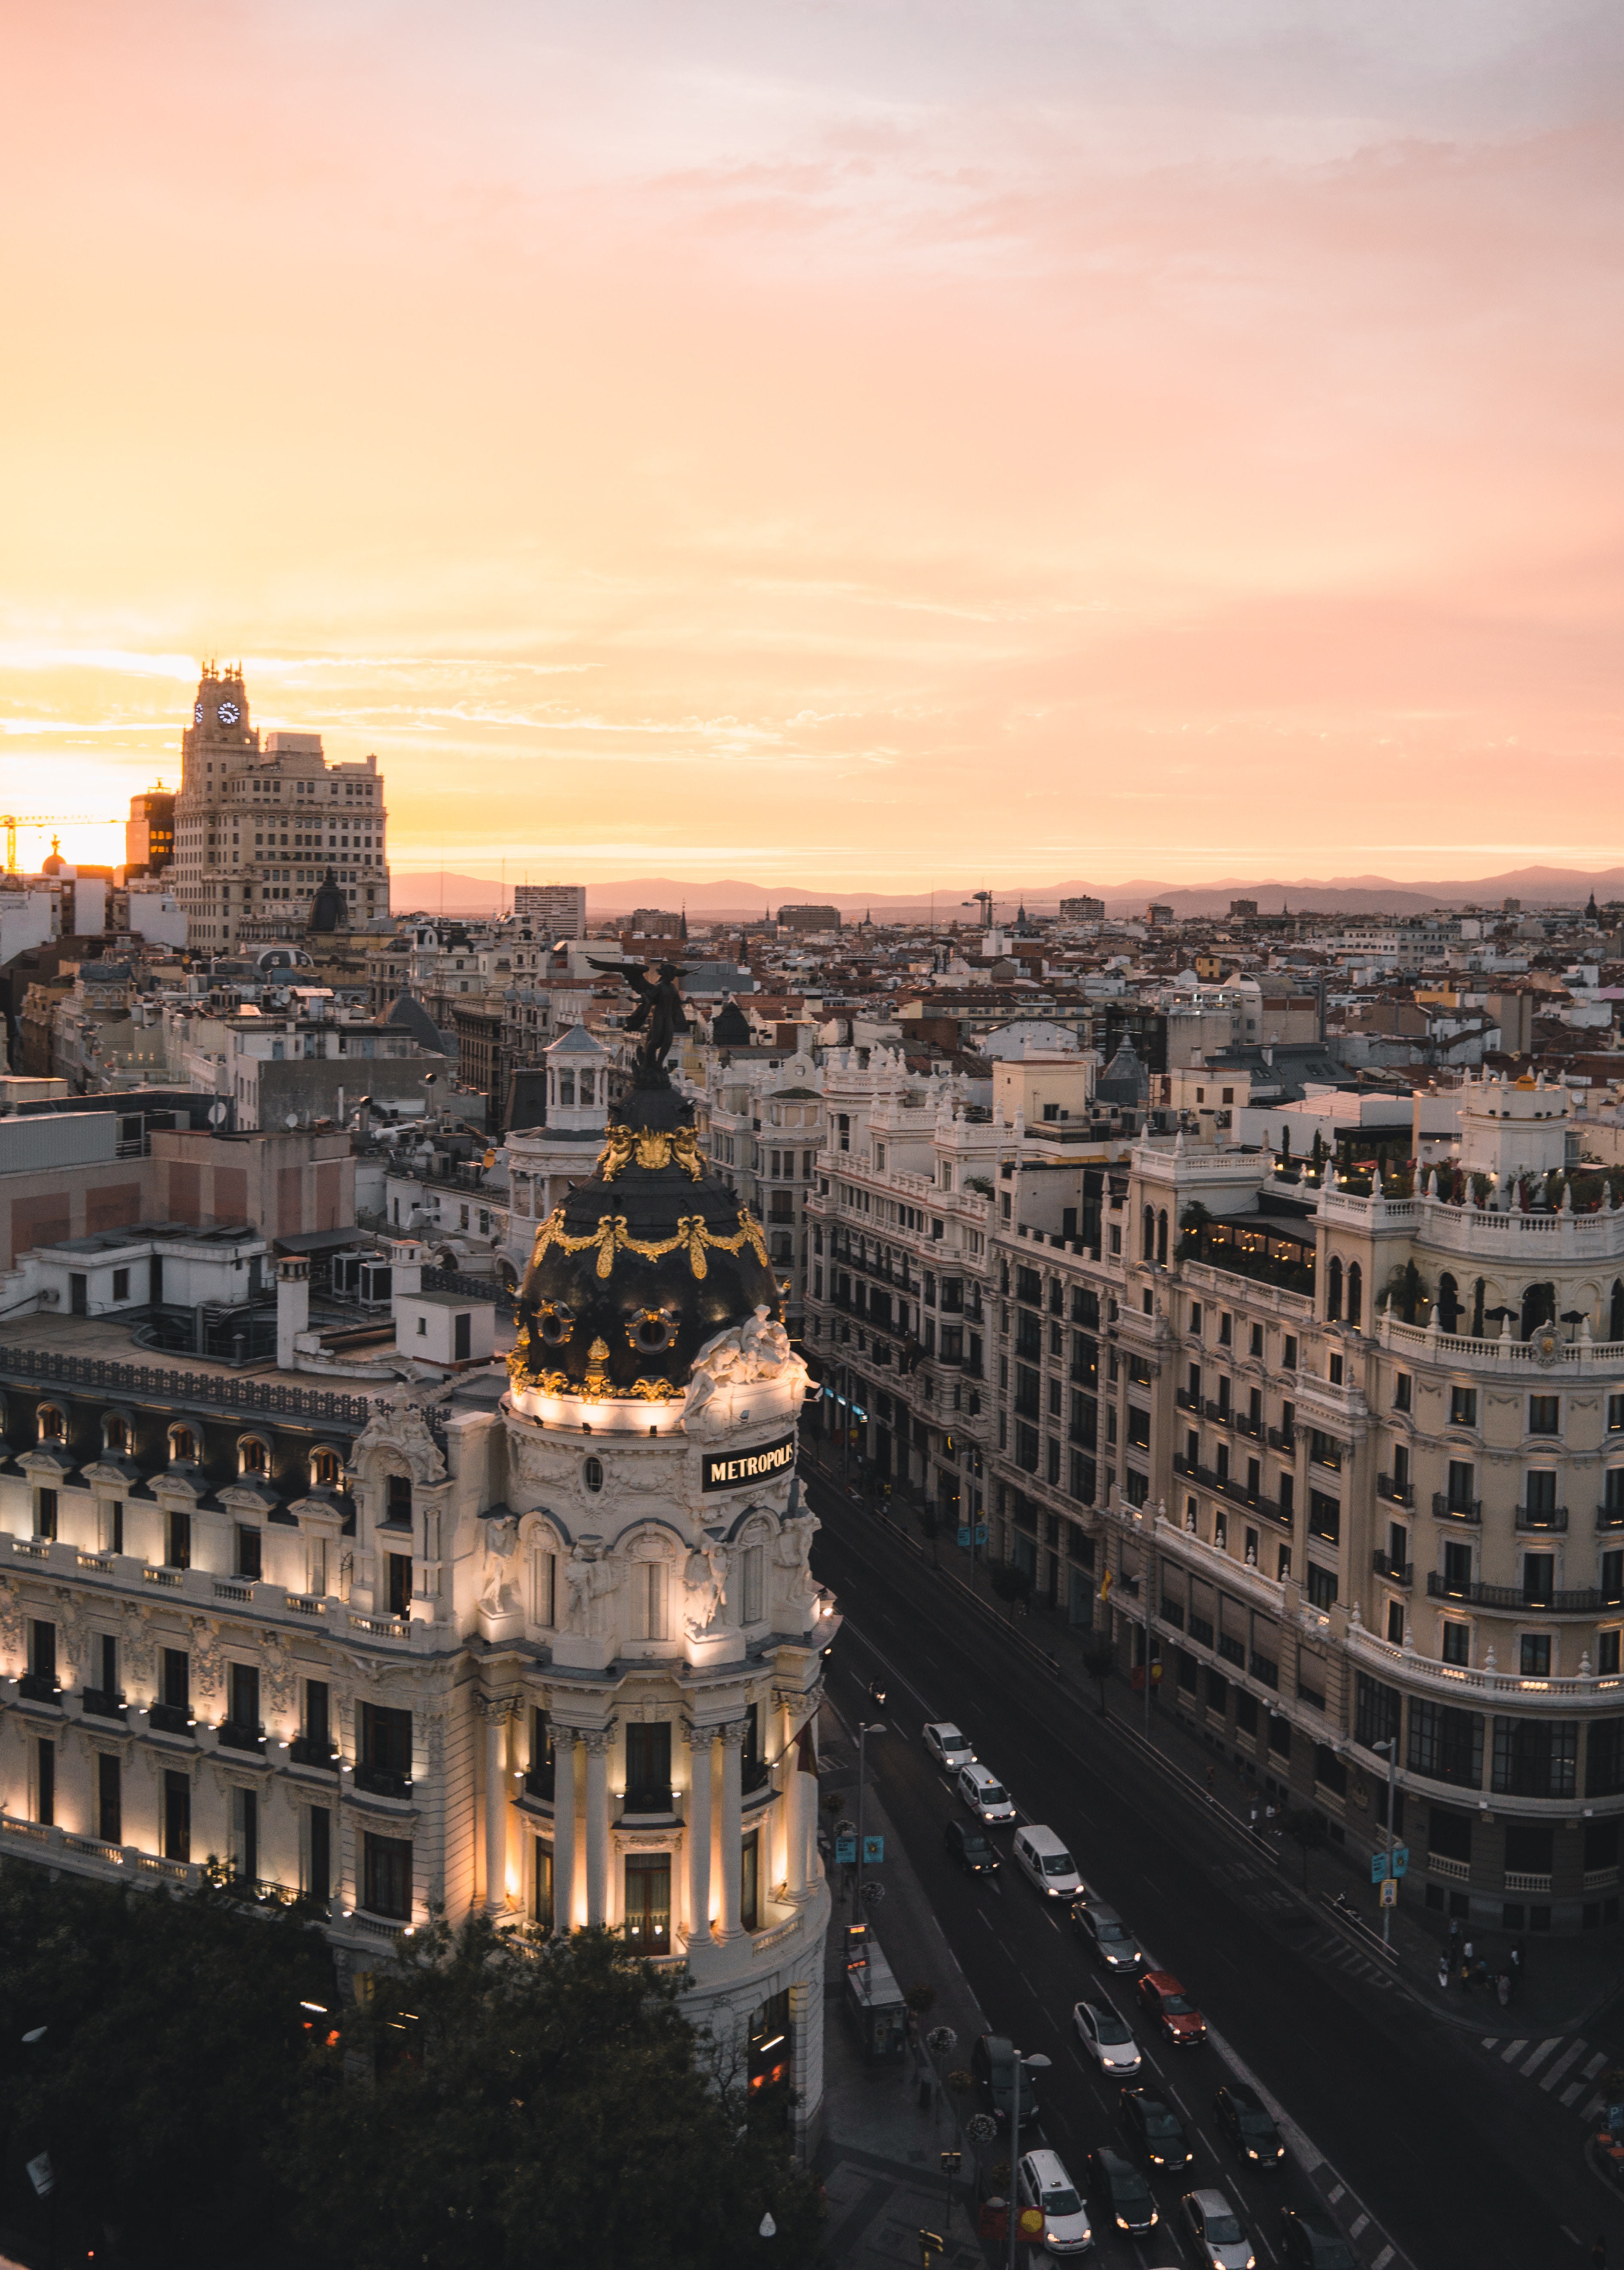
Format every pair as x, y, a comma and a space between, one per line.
971, 1848
1314, 2243
1107, 1938
1244, 2119
1156, 2130
1120, 2192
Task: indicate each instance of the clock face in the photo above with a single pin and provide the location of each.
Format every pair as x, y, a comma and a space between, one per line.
228, 713
197, 713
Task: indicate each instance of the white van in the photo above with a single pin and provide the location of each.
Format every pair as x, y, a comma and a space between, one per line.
1041, 1855
985, 1794
1045, 2184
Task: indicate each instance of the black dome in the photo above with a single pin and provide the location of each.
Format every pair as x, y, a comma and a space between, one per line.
639, 1267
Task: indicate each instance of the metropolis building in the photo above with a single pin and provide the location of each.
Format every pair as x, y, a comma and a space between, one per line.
545, 1645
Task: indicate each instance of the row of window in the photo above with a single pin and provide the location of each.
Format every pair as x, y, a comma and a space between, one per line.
254, 1452
1526, 1757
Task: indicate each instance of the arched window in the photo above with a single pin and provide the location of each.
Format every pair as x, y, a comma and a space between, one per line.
1333, 1289
253, 1456
114, 1434
1449, 1303
1355, 1293
183, 1446
1161, 1235
650, 1589
1539, 1308
325, 1472
1148, 1239
1615, 1311
1479, 1290
52, 1423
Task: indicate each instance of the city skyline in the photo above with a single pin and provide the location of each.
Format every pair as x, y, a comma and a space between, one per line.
788, 447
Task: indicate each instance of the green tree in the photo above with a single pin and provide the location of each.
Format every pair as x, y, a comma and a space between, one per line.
175, 2049
1307, 1831
1010, 1581
1099, 1661
556, 2107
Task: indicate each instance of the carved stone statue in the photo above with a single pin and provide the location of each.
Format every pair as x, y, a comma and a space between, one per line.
758, 1349
396, 1424
500, 1596
660, 1013
589, 1579
706, 1578
792, 1552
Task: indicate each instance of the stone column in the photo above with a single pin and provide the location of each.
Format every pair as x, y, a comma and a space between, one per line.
798, 1794
497, 1712
563, 1832
728, 1924
596, 1743
700, 1740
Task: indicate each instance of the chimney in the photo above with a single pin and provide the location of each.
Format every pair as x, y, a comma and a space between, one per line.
405, 1265
292, 1305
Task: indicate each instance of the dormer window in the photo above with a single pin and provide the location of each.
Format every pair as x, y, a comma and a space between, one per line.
253, 1456
116, 1435
183, 1446
53, 1425
324, 1470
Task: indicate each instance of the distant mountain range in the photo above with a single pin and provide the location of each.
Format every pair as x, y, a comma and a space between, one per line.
1339, 895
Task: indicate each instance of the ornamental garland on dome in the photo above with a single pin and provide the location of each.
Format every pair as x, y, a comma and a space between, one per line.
612, 1236
653, 1150
597, 1388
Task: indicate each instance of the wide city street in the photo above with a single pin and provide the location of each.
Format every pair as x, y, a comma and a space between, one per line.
1455, 2158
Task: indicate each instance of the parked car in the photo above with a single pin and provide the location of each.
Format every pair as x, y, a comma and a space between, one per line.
1167, 2005
1312, 2241
1107, 1937
992, 2063
1044, 1860
971, 1847
947, 1746
1121, 2193
1244, 2119
1216, 2229
1105, 2037
1045, 2184
985, 1794
1157, 2130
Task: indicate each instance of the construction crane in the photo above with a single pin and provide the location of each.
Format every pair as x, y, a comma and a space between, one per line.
12, 820
984, 900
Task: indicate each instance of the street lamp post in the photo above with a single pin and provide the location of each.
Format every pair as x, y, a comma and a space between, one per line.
1391, 1747
1037, 2063
862, 1734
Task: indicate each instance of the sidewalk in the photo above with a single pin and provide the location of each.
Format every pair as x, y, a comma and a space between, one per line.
886, 2126
1564, 1978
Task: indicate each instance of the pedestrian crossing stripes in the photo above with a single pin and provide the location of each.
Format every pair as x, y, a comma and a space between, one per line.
1563, 2067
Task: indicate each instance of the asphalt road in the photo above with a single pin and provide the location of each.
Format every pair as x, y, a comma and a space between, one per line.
1455, 2160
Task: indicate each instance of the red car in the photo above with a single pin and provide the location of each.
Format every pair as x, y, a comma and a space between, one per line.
1167, 2003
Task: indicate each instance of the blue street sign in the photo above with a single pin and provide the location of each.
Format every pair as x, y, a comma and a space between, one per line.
981, 1532
846, 1848
964, 1537
1393, 1863
874, 1851
1400, 1857
1378, 1866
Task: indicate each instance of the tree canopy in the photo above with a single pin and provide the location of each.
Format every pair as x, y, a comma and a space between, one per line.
493, 2100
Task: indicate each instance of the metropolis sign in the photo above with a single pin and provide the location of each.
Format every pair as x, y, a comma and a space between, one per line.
721, 1471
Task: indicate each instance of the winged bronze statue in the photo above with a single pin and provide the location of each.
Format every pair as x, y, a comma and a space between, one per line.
660, 1015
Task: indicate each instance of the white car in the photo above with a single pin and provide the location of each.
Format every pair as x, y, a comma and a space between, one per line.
948, 1746
1107, 2037
985, 1794
1216, 2228
1044, 2183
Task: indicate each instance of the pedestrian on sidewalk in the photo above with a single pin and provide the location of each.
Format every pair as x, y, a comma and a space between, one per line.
1502, 1988
1443, 1974
1517, 1962
1209, 1781
1454, 1937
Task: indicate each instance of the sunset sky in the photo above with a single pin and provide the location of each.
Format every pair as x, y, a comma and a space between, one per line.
882, 442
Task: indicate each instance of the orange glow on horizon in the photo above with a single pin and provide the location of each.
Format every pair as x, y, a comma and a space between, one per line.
831, 450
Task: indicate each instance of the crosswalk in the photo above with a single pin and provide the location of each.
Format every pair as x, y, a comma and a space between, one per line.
1565, 2067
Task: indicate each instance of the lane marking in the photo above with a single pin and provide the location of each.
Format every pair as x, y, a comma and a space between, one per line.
1569, 2056
1337, 2194
1516, 2050
1355, 2228
1382, 2258
1540, 2055
1589, 2112
1571, 2095
1595, 2065
1491, 2040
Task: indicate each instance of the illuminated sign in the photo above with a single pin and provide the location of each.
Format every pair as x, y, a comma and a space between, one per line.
724, 1470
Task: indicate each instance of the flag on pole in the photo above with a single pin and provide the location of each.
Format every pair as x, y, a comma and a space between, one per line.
1105, 1585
